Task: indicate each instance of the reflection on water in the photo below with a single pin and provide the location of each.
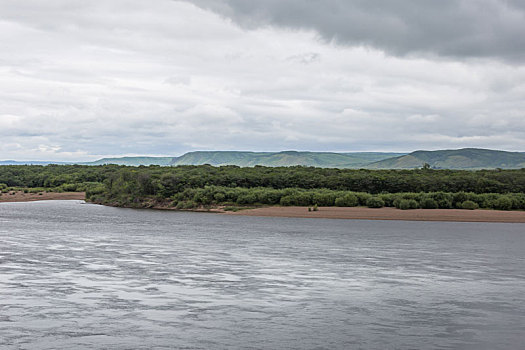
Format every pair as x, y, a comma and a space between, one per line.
80, 276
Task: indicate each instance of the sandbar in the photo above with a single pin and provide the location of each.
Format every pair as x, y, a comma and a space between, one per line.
361, 213
32, 197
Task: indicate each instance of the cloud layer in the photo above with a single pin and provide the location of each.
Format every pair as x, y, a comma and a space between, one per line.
80, 80
457, 28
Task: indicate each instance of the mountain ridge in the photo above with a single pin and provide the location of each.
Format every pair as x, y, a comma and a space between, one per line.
465, 158
132, 161
283, 158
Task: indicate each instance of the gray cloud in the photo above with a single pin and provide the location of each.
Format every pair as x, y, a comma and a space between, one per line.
81, 80
453, 28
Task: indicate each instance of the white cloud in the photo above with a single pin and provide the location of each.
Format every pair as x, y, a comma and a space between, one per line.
80, 80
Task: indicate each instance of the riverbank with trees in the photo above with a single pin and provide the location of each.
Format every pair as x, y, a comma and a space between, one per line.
204, 187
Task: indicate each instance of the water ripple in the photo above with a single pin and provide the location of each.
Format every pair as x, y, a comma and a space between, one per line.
78, 276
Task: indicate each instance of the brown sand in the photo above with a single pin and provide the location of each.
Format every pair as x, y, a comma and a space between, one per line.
360, 213
45, 196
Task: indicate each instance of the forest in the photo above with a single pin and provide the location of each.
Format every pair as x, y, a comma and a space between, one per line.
187, 187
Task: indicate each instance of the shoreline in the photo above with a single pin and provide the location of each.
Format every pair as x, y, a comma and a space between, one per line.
345, 213
44, 196
387, 213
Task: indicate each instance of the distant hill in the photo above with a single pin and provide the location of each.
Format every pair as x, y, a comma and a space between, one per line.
249, 159
286, 158
133, 161
29, 162
466, 158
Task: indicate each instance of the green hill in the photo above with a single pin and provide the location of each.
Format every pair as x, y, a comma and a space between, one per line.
250, 159
286, 158
466, 158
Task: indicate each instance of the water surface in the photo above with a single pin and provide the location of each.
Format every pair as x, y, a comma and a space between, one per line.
81, 276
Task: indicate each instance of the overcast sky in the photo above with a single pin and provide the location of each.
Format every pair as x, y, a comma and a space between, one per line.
80, 80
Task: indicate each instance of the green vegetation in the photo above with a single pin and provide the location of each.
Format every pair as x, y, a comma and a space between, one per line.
236, 208
53, 178
503, 203
375, 202
469, 205
238, 197
188, 187
347, 200
428, 203
166, 181
405, 204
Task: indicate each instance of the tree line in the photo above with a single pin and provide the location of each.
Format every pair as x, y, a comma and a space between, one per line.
187, 186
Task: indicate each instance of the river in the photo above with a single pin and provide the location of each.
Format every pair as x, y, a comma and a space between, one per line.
81, 276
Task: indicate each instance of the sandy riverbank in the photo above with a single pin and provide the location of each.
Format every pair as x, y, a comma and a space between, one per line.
360, 213
31, 197
353, 213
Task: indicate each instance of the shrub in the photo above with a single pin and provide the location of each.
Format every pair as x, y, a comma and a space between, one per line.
459, 198
362, 198
95, 190
269, 196
518, 200
374, 202
397, 202
219, 197
469, 205
413, 204
69, 187
248, 198
488, 200
503, 203
297, 198
324, 199
428, 203
286, 201
406, 204
402, 204
348, 200
186, 205
190, 205
201, 196
389, 199
411, 195
473, 197
443, 200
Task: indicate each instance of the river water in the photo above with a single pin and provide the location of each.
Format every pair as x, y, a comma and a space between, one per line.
82, 276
